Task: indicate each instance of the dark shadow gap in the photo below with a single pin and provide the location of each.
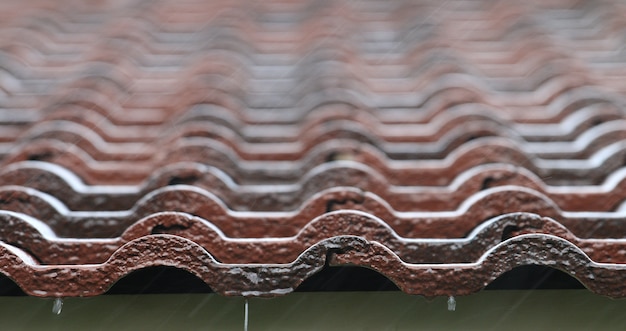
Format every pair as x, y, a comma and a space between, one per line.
535, 277
159, 280
344, 279
8, 288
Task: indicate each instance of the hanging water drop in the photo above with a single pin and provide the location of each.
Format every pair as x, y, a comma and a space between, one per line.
451, 303
57, 305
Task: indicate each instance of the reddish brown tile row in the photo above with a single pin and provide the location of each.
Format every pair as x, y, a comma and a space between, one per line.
278, 279
401, 144
58, 184
409, 170
49, 249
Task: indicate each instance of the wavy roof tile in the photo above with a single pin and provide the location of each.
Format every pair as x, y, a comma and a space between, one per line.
253, 145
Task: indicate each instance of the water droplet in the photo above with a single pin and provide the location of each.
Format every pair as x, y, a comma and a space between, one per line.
57, 305
451, 303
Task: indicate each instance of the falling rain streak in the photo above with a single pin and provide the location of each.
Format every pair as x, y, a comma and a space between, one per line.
432, 142
245, 316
